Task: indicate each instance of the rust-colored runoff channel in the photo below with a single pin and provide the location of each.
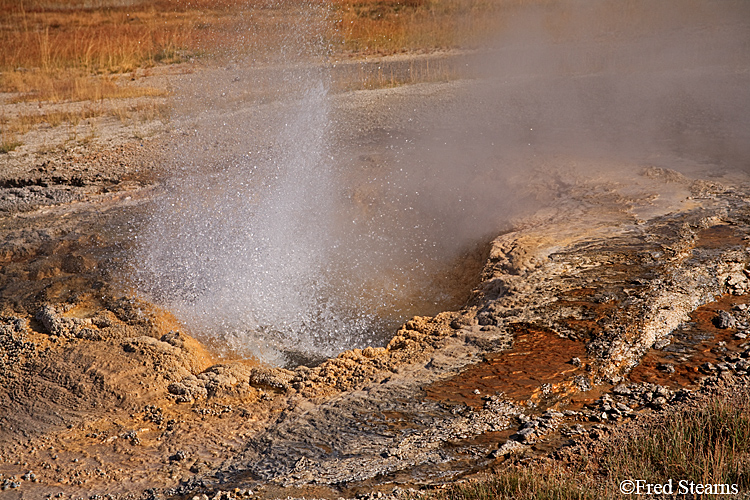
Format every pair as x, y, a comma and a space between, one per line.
539, 358
682, 363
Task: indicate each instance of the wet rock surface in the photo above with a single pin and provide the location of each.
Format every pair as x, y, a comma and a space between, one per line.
566, 336
621, 298
606, 300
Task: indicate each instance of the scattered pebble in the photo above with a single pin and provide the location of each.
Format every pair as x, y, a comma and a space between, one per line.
666, 367
724, 320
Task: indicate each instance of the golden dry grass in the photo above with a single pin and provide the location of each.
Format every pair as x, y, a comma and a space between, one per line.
63, 50
392, 26
8, 142
70, 85
122, 35
69, 50
426, 71
59, 34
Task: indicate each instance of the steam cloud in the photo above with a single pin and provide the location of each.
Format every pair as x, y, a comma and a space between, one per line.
299, 222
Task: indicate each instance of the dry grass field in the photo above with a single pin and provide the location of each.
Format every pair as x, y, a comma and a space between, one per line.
62, 51
49, 46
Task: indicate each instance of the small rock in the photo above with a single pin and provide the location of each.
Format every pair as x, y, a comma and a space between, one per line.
725, 367
526, 435
666, 367
578, 429
624, 408
622, 390
724, 320
582, 383
575, 362
740, 335
708, 368
662, 344
659, 402
732, 357
507, 448
531, 424
660, 390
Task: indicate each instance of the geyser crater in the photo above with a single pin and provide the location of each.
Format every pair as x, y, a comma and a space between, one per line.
300, 249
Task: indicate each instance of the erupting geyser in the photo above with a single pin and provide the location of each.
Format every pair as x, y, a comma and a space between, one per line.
298, 222
269, 238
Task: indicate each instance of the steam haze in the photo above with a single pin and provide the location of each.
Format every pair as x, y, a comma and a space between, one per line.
638, 79
299, 222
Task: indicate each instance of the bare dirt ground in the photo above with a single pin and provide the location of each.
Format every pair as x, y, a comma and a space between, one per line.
616, 299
